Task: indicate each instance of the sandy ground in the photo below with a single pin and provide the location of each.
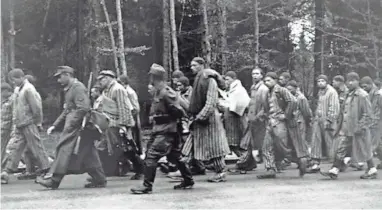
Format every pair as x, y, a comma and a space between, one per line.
239, 192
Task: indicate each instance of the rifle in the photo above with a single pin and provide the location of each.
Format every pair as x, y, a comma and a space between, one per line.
84, 120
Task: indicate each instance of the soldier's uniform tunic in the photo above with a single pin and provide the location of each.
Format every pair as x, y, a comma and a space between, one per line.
165, 138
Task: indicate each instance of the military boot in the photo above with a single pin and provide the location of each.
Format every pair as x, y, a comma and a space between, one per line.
270, 174
141, 190
303, 164
47, 182
184, 185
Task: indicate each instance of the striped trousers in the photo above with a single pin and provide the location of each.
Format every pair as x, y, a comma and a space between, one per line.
322, 142
27, 137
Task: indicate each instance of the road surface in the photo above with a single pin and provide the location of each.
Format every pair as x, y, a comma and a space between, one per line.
239, 192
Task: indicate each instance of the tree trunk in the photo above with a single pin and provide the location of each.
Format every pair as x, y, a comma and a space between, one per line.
173, 36
12, 34
79, 32
111, 34
121, 50
95, 37
318, 42
374, 41
4, 66
166, 36
47, 8
206, 34
223, 34
256, 34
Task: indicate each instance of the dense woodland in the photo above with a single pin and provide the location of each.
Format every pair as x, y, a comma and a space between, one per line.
303, 37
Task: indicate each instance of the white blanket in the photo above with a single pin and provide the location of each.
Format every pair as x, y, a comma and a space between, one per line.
237, 99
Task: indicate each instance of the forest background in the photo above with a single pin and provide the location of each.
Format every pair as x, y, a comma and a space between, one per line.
303, 37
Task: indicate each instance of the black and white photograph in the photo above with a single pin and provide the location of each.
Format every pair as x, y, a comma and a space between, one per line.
191, 104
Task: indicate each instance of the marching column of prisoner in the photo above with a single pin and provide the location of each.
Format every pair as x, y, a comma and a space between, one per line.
193, 127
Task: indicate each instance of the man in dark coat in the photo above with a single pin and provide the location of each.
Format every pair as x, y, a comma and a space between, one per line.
165, 137
74, 155
375, 97
280, 108
354, 134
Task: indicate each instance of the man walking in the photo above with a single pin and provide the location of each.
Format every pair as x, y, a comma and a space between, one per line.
28, 121
325, 123
303, 113
117, 106
354, 134
6, 117
375, 97
209, 141
235, 117
165, 137
281, 106
73, 156
255, 132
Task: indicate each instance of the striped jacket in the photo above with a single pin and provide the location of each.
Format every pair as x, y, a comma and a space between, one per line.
328, 107
117, 106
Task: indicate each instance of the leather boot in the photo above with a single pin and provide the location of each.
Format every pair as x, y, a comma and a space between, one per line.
270, 174
303, 164
184, 185
141, 190
47, 182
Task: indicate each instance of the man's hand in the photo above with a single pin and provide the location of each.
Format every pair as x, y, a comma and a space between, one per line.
281, 117
122, 130
39, 128
50, 130
327, 124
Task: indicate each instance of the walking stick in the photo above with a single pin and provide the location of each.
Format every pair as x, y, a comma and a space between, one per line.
78, 141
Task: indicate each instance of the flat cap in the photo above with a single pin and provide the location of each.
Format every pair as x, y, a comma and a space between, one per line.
352, 76
63, 69
272, 75
324, 77
339, 78
105, 73
286, 75
367, 80
231, 74
157, 69
292, 83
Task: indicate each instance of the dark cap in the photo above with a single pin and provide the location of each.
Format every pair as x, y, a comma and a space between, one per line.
272, 75
105, 73
292, 83
324, 77
367, 80
352, 76
158, 70
231, 74
64, 69
339, 78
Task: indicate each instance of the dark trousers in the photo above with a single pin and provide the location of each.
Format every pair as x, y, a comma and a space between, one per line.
161, 145
115, 154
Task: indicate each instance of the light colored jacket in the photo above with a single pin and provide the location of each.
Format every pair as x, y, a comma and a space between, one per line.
27, 105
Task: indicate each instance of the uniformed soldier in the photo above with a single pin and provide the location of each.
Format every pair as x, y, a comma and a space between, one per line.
68, 160
165, 137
